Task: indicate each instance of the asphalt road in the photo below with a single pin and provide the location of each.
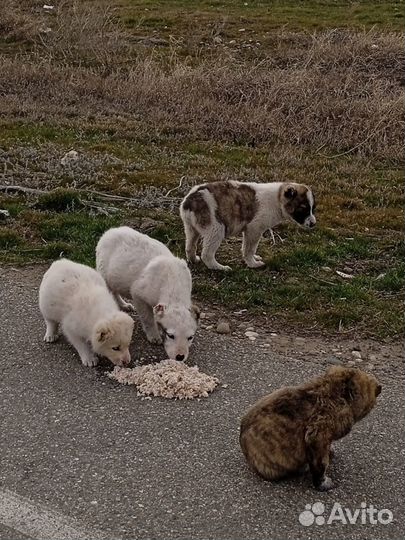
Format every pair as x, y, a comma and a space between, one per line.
83, 453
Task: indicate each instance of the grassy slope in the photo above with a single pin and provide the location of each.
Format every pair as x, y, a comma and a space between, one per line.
360, 198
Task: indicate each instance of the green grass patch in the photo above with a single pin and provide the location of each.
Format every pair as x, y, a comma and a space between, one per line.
176, 15
59, 200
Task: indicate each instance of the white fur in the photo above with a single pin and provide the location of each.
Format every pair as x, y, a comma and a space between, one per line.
76, 297
137, 266
269, 214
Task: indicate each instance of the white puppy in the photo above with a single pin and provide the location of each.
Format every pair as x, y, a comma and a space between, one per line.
217, 210
137, 266
76, 297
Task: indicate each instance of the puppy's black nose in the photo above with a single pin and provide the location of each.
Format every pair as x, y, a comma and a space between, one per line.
180, 357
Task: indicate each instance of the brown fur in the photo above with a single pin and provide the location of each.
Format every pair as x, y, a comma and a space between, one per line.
296, 425
295, 201
196, 203
236, 205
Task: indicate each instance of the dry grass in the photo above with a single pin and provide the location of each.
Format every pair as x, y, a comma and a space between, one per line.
145, 110
337, 90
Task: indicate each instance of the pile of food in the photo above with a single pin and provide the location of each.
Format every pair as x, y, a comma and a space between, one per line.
168, 379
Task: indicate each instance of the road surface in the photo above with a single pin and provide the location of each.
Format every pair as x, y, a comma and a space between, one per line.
83, 456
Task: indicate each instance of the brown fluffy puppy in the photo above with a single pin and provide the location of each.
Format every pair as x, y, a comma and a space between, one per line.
296, 425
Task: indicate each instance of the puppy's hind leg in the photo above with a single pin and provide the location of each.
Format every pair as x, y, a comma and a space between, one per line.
125, 306
211, 241
51, 333
145, 314
192, 237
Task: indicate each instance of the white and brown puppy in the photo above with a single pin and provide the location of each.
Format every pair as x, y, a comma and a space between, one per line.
137, 266
76, 297
217, 210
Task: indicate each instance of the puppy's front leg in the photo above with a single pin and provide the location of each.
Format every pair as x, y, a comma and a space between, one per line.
87, 356
51, 333
251, 238
145, 314
318, 446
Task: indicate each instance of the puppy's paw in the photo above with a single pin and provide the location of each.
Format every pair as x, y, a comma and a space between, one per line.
153, 338
326, 484
255, 263
89, 361
224, 268
50, 338
127, 306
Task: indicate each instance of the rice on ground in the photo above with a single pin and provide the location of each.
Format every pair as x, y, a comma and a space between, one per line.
168, 379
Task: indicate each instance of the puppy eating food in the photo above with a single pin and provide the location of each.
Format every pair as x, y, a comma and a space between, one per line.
137, 266
217, 210
76, 297
296, 425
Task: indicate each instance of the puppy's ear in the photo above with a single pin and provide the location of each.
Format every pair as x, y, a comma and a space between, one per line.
159, 310
195, 312
350, 388
103, 333
290, 193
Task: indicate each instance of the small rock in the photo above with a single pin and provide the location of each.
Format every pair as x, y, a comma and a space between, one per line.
334, 360
273, 334
252, 338
370, 366
348, 270
223, 327
326, 268
251, 334
351, 363
4, 214
356, 354
209, 327
266, 344
372, 357
249, 329
69, 157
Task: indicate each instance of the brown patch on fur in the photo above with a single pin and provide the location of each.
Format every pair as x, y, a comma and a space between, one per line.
296, 425
196, 203
236, 205
294, 198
